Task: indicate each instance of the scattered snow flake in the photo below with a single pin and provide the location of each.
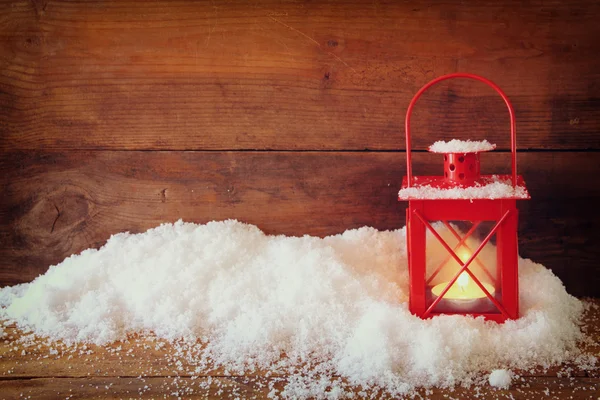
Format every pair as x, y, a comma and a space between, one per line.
500, 378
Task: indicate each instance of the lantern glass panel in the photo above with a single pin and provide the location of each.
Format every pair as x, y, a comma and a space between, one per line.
465, 295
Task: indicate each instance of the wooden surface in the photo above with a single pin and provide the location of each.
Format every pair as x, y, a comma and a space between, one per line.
286, 114
294, 75
137, 369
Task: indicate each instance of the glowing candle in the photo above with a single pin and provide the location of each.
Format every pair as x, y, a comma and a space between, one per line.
464, 292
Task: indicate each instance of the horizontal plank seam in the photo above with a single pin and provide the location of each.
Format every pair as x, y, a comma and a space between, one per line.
32, 377
108, 149
272, 376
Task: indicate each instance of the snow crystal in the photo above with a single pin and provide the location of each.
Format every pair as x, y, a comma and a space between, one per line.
335, 307
461, 146
492, 188
500, 378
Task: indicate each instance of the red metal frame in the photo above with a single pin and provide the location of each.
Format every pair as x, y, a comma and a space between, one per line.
461, 242
503, 212
464, 265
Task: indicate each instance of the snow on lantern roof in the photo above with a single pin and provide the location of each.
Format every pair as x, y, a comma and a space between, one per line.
488, 187
461, 146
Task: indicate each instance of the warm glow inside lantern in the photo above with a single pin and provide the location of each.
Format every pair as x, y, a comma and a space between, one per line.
462, 229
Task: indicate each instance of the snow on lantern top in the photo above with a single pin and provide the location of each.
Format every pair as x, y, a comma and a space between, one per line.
461, 146
488, 187
462, 176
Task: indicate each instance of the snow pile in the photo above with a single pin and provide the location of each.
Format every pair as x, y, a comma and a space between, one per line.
461, 146
500, 378
492, 188
335, 307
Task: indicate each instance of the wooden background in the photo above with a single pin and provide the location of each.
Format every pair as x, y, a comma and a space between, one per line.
120, 115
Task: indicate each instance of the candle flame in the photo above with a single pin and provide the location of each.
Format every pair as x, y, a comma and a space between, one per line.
463, 280
462, 289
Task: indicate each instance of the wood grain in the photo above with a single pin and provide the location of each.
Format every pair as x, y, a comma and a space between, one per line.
180, 75
534, 388
55, 204
140, 370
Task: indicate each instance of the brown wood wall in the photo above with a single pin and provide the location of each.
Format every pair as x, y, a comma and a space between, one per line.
120, 115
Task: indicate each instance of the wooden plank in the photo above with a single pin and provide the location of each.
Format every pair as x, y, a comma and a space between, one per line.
23, 357
139, 369
258, 388
56, 204
290, 75
143, 388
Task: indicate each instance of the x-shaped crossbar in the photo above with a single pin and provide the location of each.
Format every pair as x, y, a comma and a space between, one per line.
464, 265
464, 243
461, 242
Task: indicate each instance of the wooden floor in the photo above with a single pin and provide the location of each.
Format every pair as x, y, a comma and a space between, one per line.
149, 368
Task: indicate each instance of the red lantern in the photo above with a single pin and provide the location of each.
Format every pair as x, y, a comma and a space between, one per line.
462, 229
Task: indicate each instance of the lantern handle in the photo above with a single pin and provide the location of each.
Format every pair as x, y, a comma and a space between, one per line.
511, 112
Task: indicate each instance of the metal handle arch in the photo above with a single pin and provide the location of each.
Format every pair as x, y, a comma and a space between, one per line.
511, 112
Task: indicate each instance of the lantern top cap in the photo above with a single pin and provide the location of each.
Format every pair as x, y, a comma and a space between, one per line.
461, 146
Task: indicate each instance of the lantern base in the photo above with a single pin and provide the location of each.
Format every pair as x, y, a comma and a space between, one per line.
453, 306
488, 317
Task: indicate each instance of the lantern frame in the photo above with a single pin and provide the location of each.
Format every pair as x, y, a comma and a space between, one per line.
502, 211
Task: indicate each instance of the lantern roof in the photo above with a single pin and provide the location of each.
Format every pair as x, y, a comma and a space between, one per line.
492, 187
461, 146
